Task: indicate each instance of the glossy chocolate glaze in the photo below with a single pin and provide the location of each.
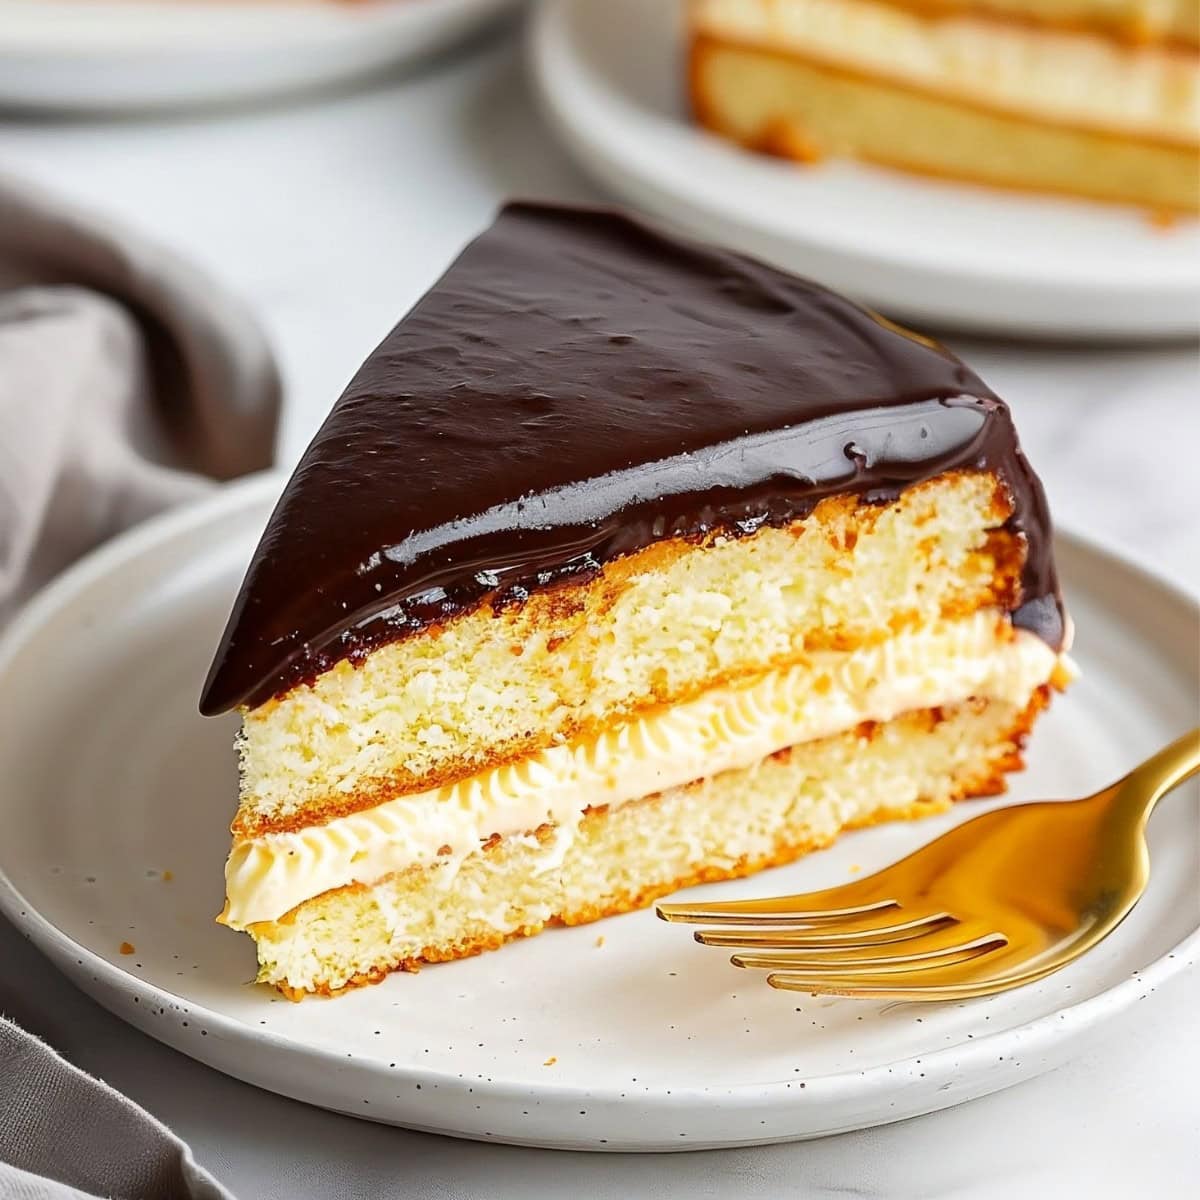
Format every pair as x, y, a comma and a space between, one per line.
576, 387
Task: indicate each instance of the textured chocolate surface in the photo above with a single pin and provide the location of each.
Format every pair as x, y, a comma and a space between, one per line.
576, 387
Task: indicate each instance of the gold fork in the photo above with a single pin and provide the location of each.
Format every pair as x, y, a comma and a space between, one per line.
997, 902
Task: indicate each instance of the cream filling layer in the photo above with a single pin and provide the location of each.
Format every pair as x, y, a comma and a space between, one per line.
1137, 21
724, 729
1071, 78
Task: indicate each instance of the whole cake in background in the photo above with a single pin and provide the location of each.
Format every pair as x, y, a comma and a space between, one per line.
1094, 98
623, 563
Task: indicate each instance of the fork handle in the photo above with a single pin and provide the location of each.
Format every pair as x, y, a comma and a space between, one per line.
1163, 771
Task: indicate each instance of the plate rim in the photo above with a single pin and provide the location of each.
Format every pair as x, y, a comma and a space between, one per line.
160, 72
369, 15
83, 966
551, 22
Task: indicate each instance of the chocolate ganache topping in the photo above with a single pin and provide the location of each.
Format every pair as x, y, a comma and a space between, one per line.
574, 388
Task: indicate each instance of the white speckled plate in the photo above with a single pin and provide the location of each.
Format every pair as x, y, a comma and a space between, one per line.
937, 253
111, 779
124, 55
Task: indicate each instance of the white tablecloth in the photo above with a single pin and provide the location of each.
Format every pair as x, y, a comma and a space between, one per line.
331, 216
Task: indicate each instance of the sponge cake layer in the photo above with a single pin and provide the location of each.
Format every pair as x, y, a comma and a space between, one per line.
1012, 107
620, 859
654, 629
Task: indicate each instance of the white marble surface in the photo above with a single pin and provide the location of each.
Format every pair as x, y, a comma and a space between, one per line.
331, 215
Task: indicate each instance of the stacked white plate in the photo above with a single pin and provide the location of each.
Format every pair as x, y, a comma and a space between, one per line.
119, 55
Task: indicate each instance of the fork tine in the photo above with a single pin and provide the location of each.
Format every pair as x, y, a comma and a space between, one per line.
833, 956
798, 974
957, 982
783, 910
787, 939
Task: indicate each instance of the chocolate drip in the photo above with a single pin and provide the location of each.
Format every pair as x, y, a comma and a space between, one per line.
576, 387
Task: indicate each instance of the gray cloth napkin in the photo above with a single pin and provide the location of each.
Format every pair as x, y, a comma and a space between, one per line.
128, 382
126, 376
67, 1136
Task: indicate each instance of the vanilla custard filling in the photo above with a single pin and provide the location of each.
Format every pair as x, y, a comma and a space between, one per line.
724, 729
1075, 78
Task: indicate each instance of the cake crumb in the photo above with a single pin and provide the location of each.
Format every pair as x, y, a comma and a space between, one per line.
550, 1061
789, 139
127, 948
167, 876
855, 868
600, 941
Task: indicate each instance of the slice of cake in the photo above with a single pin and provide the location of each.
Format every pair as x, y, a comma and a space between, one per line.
1095, 98
621, 564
